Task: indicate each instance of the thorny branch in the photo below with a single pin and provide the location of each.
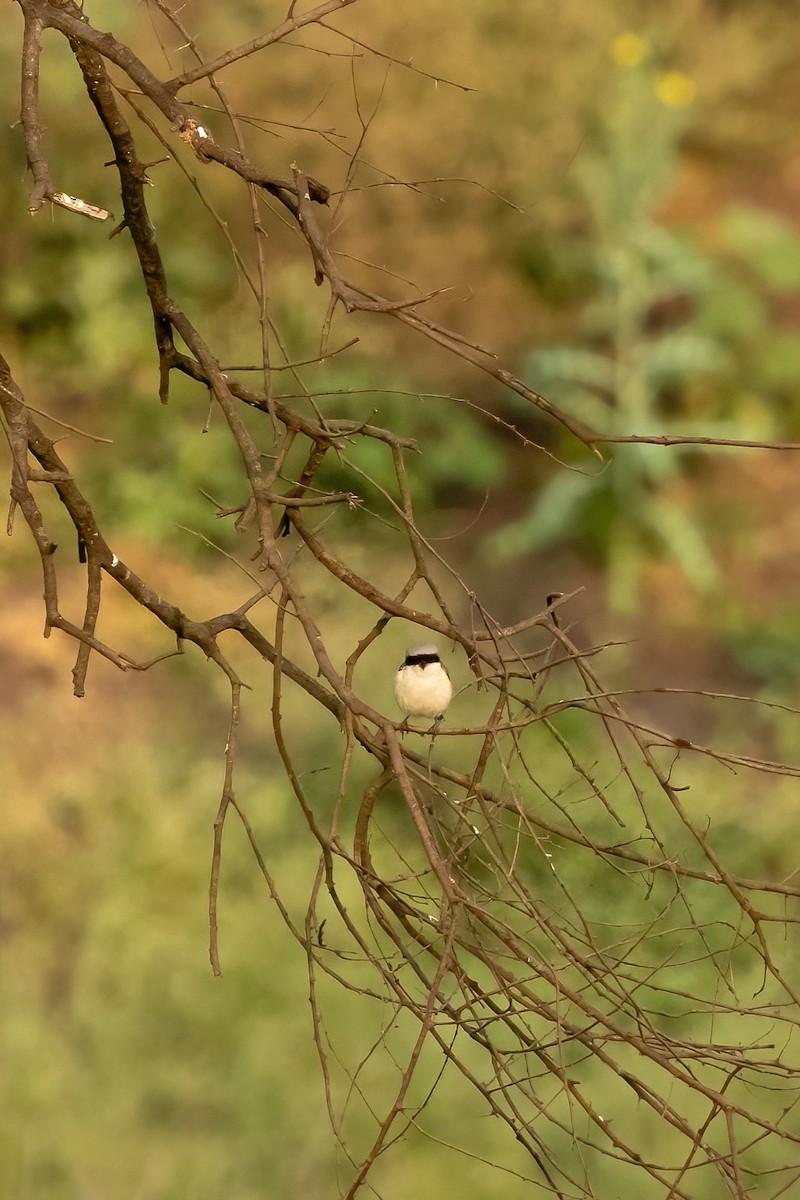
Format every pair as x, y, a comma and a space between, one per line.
511, 967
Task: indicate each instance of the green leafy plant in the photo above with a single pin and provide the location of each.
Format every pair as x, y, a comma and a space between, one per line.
665, 343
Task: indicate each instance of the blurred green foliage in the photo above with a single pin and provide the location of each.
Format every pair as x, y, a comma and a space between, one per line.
674, 338
670, 325
130, 1070
656, 307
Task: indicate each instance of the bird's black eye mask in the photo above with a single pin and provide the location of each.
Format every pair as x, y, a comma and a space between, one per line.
420, 660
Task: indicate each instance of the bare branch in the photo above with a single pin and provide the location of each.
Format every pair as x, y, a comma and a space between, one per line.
289, 26
548, 913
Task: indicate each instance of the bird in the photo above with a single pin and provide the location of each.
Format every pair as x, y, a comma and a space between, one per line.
422, 686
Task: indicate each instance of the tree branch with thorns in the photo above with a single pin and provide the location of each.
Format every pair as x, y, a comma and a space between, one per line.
480, 927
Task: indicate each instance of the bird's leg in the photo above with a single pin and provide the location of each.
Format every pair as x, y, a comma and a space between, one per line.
434, 729
403, 727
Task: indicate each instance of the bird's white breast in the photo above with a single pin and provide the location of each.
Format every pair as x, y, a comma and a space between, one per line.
423, 691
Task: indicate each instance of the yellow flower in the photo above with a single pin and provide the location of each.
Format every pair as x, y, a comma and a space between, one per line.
675, 89
628, 49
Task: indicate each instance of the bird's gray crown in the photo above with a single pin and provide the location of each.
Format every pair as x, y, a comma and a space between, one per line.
423, 650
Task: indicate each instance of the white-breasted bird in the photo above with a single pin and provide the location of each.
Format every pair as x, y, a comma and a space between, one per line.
422, 686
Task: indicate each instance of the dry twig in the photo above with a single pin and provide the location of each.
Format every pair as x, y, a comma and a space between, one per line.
481, 925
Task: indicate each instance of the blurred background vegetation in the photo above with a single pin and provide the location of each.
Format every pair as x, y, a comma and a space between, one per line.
615, 206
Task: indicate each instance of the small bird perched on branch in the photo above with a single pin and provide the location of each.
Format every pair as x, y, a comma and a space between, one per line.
422, 686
